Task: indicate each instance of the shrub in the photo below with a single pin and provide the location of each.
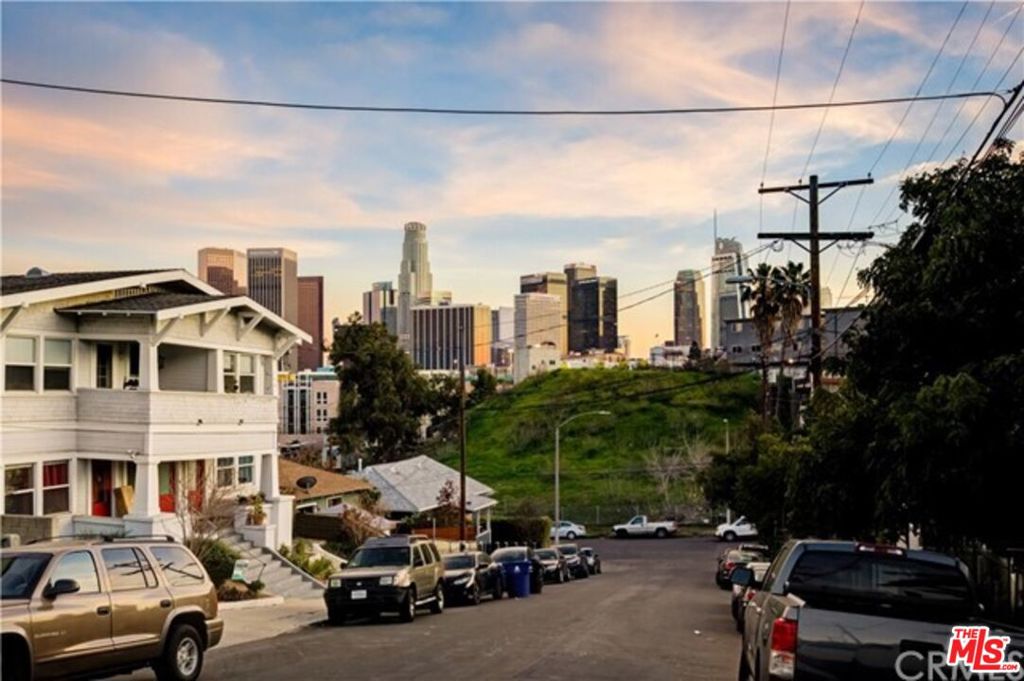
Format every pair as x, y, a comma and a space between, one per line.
219, 560
534, 531
301, 555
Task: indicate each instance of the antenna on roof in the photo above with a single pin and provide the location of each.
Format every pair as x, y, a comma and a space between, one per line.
36, 273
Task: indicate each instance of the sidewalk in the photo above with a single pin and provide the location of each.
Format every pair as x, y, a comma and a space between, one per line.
255, 624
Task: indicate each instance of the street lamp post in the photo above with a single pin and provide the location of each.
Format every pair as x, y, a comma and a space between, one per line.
558, 436
728, 511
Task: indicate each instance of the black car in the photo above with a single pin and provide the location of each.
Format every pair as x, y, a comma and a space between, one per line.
519, 554
592, 559
470, 576
729, 560
576, 563
555, 567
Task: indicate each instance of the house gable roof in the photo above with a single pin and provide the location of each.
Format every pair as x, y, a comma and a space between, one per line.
145, 303
412, 485
328, 483
19, 290
21, 283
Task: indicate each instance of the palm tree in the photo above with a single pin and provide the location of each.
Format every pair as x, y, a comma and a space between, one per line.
793, 286
764, 309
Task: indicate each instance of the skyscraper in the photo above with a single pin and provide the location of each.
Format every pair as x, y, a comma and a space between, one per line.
689, 308
444, 335
554, 284
274, 284
311, 320
224, 269
538, 320
503, 331
379, 306
574, 273
595, 309
414, 279
726, 302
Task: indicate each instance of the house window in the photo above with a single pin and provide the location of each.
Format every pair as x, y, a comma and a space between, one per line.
104, 365
239, 373
737, 349
755, 348
225, 472
57, 364
246, 470
55, 487
19, 493
19, 363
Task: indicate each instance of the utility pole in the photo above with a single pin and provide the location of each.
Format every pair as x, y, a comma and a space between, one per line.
814, 237
462, 443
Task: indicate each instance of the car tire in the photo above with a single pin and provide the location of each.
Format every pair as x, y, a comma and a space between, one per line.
744, 672
437, 605
571, 536
621, 534
729, 536
182, 658
16, 663
474, 595
407, 613
661, 533
499, 590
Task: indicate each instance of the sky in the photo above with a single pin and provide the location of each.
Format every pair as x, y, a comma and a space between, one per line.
93, 182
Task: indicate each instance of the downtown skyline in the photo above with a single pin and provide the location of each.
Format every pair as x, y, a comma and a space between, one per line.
111, 177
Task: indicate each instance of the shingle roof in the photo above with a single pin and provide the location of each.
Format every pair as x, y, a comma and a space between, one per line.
328, 483
412, 486
147, 302
19, 283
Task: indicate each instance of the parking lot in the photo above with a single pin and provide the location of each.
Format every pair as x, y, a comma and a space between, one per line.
655, 613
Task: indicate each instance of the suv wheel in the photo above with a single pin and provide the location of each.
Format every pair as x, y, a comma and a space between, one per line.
408, 611
621, 534
660, 533
729, 536
437, 605
182, 659
571, 536
474, 595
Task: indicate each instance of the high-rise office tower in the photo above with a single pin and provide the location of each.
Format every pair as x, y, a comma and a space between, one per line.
689, 308
380, 306
538, 320
503, 331
444, 335
274, 284
311, 320
595, 310
553, 284
414, 279
726, 301
575, 273
224, 269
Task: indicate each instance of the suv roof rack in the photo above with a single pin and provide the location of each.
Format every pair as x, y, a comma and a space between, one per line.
105, 538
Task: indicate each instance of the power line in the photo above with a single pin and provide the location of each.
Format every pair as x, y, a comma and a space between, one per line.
775, 95
494, 112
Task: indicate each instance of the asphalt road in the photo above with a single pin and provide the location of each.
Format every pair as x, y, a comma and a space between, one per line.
655, 613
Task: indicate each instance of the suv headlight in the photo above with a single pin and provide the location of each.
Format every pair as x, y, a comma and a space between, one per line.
387, 580
334, 583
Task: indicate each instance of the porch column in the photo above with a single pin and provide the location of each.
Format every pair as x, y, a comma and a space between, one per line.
147, 488
149, 366
269, 476
215, 378
37, 487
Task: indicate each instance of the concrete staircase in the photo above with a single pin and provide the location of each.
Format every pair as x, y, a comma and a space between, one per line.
280, 577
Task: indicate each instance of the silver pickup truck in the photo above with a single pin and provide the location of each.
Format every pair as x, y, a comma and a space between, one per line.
843, 611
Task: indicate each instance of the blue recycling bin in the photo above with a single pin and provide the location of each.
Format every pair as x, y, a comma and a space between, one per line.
517, 576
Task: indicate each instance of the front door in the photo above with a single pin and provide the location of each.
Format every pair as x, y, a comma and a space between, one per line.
102, 488
168, 480
73, 632
195, 496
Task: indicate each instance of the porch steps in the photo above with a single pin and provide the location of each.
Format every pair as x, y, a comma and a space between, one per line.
280, 577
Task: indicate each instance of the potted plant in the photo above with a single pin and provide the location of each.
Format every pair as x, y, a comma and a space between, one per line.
257, 516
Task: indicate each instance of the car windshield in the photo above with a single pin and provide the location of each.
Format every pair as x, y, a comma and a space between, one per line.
568, 550
458, 562
509, 555
20, 573
587, 552
383, 556
547, 554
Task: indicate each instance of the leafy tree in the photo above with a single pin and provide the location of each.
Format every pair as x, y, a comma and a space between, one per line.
485, 384
764, 309
383, 400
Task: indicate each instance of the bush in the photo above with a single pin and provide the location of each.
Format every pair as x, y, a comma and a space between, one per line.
301, 555
218, 559
534, 531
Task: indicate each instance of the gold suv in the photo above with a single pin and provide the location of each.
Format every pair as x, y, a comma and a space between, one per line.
83, 607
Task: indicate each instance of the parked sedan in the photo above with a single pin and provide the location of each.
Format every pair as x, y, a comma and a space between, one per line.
569, 530
574, 561
741, 595
555, 567
519, 554
469, 576
728, 561
592, 559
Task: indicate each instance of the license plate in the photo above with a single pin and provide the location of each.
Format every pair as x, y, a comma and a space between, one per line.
359, 595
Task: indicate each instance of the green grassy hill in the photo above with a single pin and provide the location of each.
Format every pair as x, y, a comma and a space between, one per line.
511, 436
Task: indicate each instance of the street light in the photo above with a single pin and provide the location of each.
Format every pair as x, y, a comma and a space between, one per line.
558, 435
728, 511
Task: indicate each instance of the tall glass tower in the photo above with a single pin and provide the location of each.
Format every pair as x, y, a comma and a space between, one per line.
414, 280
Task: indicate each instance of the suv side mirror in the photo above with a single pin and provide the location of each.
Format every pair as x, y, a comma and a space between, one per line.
742, 576
61, 587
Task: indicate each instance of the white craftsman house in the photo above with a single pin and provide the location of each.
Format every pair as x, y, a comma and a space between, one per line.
130, 396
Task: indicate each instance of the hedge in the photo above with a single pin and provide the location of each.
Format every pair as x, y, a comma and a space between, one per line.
535, 531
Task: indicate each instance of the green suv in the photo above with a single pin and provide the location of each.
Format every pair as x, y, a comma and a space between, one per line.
389, 574
74, 607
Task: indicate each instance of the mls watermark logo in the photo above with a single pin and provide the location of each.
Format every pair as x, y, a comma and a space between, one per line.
979, 651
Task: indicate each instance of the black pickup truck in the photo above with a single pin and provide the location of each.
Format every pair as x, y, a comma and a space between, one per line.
843, 611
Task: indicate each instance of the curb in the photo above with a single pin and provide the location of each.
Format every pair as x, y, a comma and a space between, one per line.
252, 603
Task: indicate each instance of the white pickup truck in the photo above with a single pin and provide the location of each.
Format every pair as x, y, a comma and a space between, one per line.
640, 526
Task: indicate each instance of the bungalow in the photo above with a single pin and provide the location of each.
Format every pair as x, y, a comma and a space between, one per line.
315, 489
